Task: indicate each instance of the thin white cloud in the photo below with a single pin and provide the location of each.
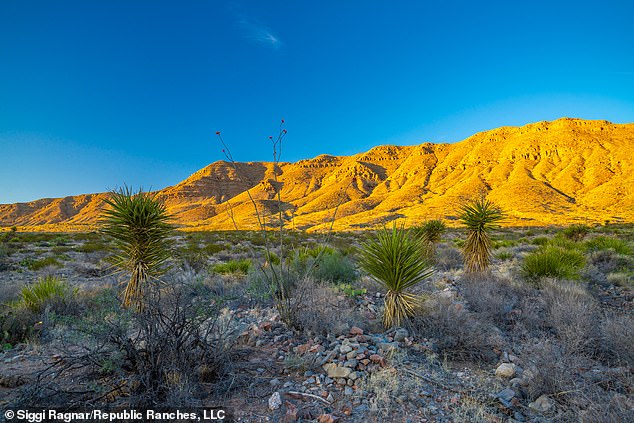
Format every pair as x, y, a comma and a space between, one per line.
259, 33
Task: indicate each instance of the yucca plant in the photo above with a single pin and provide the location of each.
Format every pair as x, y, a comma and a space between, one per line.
395, 259
139, 226
480, 217
431, 231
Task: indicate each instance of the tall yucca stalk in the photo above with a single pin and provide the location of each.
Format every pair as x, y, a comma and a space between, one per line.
139, 226
396, 260
480, 217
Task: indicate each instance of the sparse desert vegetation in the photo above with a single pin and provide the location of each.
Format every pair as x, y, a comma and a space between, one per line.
546, 334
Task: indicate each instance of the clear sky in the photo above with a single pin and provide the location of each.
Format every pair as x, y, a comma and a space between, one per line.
95, 94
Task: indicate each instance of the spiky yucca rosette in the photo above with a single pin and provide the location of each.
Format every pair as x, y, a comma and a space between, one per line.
480, 217
139, 227
396, 259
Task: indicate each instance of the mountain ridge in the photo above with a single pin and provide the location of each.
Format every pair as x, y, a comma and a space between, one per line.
549, 172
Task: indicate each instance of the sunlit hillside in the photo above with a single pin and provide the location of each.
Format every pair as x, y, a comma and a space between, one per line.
560, 172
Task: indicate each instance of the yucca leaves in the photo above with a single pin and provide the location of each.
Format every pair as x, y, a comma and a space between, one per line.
480, 217
139, 227
396, 260
431, 230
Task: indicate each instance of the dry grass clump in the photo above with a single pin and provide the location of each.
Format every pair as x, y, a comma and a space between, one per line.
457, 332
493, 298
321, 309
573, 315
617, 339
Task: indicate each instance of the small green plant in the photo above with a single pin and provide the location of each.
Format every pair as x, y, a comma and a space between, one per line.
553, 261
576, 232
233, 267
139, 227
504, 255
540, 240
350, 291
480, 217
396, 259
49, 289
36, 265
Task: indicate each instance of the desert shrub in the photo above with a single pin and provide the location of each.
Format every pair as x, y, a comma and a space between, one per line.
504, 255
160, 355
39, 264
139, 226
504, 243
576, 232
491, 297
322, 310
213, 248
47, 291
584, 390
617, 338
552, 369
602, 243
17, 325
540, 240
395, 259
573, 314
447, 258
233, 267
92, 246
335, 268
456, 332
480, 217
607, 261
553, 261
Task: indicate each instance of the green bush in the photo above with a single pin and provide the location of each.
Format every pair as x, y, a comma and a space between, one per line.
553, 261
233, 267
41, 263
335, 268
576, 232
603, 243
47, 290
540, 240
92, 246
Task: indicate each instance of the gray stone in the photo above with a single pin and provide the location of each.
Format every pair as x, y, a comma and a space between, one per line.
506, 394
274, 382
542, 404
275, 401
400, 335
505, 370
353, 376
335, 371
348, 391
345, 349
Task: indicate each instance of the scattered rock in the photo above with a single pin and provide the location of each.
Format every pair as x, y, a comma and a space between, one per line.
505, 370
505, 396
354, 331
335, 371
327, 418
400, 335
542, 404
275, 401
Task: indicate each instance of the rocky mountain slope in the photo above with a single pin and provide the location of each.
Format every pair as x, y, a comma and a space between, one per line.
559, 172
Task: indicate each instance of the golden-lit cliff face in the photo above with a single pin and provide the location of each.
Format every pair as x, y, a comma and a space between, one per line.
560, 172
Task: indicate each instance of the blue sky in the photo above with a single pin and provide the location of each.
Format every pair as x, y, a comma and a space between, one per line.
95, 94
